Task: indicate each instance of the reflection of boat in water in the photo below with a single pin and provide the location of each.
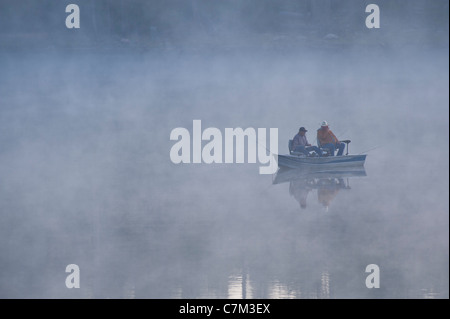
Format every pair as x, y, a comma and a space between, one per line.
327, 182
286, 174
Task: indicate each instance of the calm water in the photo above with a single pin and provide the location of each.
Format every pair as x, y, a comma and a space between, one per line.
86, 176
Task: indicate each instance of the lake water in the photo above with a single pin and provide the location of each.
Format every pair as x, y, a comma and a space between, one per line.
86, 176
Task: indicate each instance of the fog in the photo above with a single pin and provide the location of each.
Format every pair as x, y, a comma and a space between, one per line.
86, 176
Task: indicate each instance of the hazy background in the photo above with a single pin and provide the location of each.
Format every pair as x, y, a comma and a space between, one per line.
86, 177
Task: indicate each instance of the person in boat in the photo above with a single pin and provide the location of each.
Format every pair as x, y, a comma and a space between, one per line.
327, 139
300, 143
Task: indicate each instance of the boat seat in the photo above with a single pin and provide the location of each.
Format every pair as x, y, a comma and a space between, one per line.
292, 152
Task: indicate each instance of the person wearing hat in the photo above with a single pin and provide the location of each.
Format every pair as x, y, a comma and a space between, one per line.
327, 139
300, 143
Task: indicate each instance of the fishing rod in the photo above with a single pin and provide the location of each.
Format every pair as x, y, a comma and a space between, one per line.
339, 135
370, 149
265, 148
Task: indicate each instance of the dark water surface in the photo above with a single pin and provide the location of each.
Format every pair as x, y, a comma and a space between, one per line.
86, 176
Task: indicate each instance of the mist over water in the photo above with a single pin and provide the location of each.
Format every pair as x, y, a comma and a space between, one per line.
86, 176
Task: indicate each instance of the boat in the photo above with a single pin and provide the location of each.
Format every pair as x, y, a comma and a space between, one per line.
300, 160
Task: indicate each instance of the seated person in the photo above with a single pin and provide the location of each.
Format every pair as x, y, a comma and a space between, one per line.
300, 143
326, 139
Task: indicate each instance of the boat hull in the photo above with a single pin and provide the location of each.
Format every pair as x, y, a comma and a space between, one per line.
293, 161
